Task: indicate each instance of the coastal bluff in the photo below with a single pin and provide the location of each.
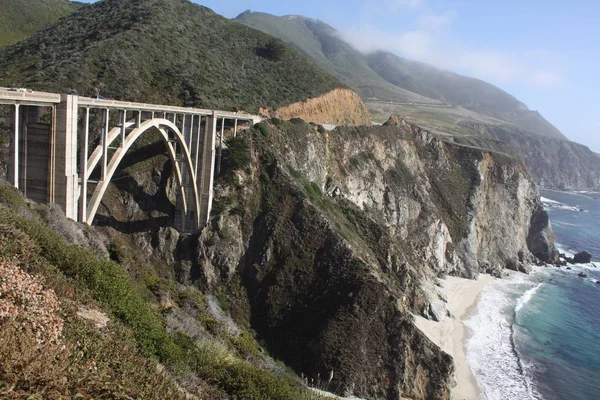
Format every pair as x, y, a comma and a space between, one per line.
338, 237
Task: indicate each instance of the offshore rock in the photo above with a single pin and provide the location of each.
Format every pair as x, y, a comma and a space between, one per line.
540, 239
582, 258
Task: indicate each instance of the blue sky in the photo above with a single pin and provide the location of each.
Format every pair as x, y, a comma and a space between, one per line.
545, 53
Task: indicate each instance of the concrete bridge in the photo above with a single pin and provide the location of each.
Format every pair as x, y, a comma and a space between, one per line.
54, 162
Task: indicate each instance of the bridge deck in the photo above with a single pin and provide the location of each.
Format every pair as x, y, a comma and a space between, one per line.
33, 98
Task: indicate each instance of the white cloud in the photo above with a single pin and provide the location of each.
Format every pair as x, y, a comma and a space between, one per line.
436, 21
397, 5
546, 79
373, 8
430, 41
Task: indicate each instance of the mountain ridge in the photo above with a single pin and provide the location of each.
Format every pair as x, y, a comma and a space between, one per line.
156, 51
21, 18
411, 81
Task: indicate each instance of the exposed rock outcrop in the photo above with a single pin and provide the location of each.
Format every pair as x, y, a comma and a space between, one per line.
338, 107
582, 258
338, 236
328, 241
554, 163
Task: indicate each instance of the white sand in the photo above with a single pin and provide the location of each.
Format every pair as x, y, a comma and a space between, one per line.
451, 334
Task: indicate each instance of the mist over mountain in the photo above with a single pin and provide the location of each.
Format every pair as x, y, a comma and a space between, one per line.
411, 81
445, 103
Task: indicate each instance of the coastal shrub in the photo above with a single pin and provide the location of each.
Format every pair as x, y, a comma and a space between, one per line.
278, 122
273, 50
23, 299
95, 362
108, 282
236, 156
263, 129
46, 351
223, 302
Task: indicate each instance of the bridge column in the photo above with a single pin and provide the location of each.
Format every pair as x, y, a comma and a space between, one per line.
186, 221
220, 150
65, 154
104, 143
207, 168
14, 154
83, 160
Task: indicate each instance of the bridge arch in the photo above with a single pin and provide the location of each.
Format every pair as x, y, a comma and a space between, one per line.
165, 127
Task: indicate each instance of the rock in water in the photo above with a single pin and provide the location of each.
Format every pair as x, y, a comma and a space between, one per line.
582, 258
582, 275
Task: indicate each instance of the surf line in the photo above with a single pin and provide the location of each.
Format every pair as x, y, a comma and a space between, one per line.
524, 299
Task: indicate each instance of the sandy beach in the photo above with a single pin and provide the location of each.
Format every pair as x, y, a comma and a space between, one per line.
451, 334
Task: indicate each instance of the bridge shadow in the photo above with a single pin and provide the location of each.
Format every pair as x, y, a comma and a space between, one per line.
148, 203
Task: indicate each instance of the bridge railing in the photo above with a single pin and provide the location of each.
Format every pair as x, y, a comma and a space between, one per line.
66, 183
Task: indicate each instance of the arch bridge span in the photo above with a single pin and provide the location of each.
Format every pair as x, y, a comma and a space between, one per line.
71, 161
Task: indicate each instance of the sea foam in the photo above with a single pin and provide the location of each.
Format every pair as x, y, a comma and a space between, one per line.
549, 203
524, 299
491, 353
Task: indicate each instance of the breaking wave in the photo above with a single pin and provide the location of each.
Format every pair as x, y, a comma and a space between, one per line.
491, 351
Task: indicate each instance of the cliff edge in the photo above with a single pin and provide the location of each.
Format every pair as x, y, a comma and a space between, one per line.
334, 238
337, 107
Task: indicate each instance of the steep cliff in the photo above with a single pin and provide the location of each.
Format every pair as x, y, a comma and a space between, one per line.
328, 241
553, 163
338, 107
322, 245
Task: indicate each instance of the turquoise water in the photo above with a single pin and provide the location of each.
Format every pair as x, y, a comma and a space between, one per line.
537, 336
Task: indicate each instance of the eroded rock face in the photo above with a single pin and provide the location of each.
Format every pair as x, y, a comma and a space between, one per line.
343, 235
338, 107
540, 239
554, 163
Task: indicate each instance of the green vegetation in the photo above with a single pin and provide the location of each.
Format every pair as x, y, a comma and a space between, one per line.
383, 78
323, 45
91, 359
163, 51
236, 156
20, 18
105, 279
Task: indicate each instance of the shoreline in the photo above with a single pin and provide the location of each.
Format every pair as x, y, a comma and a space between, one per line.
451, 334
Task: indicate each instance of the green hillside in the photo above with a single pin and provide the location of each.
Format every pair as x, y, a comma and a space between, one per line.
384, 78
458, 90
20, 18
167, 51
321, 43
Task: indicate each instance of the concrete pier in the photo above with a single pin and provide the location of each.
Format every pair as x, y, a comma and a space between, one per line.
64, 152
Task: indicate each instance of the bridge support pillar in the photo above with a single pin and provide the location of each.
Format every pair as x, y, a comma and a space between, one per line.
64, 165
186, 220
15, 148
207, 168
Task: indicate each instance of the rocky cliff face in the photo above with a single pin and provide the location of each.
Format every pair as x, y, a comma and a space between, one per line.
338, 107
328, 241
554, 163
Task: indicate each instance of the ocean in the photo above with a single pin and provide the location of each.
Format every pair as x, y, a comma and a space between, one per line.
537, 336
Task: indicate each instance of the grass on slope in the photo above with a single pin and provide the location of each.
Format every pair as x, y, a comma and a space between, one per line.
321, 43
385, 76
456, 89
119, 361
164, 51
441, 120
20, 18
